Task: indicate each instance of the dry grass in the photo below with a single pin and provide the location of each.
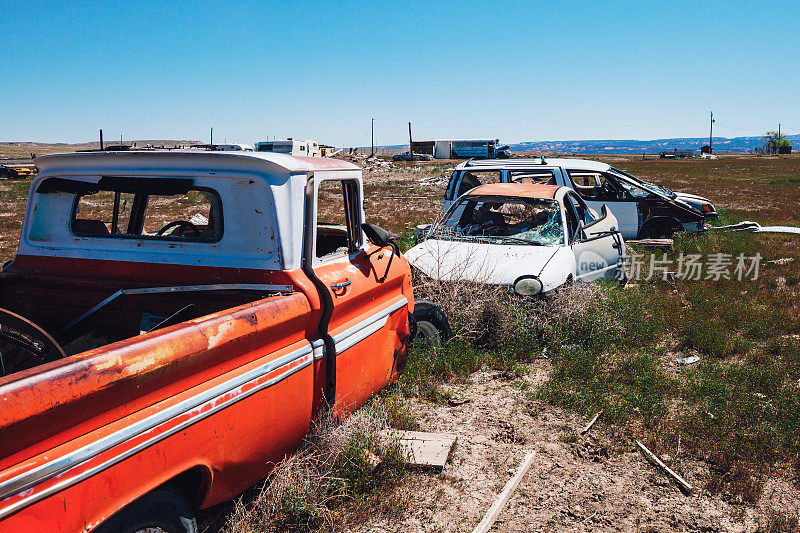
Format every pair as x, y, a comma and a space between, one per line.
341, 472
612, 349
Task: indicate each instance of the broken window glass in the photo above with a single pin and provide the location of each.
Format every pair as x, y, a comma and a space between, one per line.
505, 220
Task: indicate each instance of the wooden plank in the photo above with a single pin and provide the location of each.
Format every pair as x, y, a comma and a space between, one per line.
685, 484
493, 512
590, 424
429, 450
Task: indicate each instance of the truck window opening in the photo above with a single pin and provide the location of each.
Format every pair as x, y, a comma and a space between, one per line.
191, 215
338, 218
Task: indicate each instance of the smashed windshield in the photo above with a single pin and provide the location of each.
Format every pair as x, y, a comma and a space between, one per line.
503, 220
644, 184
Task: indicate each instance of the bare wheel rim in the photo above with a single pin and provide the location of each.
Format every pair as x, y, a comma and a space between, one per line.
427, 335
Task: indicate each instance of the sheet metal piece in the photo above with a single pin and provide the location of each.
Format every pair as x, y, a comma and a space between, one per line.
748, 225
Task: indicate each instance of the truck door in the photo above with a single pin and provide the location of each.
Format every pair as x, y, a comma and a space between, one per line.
369, 321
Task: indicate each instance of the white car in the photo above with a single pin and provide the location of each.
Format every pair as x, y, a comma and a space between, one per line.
643, 210
532, 238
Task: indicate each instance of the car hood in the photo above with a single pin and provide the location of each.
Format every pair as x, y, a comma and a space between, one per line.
497, 264
683, 199
693, 199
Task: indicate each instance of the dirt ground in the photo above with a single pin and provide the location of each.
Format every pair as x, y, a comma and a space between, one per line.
597, 482
600, 482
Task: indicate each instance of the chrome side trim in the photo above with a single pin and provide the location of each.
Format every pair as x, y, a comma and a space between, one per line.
55, 467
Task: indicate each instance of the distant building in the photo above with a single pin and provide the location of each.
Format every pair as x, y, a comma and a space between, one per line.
677, 154
326, 150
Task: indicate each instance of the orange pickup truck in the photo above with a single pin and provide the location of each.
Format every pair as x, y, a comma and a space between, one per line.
172, 323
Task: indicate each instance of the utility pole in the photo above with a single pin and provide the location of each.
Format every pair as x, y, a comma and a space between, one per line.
212, 135
101, 139
410, 143
711, 133
373, 137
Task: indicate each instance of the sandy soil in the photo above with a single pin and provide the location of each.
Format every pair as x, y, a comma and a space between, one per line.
598, 483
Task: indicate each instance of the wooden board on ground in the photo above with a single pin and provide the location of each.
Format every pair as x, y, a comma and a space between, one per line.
429, 450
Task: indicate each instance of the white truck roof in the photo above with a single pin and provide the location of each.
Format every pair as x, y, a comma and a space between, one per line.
263, 221
191, 160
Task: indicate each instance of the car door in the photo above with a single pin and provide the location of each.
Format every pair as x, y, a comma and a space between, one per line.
596, 241
597, 189
369, 318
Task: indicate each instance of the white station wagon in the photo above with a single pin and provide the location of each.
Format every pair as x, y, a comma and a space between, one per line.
643, 210
532, 238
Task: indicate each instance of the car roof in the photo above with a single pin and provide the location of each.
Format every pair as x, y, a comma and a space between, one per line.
525, 190
189, 158
530, 163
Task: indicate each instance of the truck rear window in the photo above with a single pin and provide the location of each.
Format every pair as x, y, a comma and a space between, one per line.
193, 215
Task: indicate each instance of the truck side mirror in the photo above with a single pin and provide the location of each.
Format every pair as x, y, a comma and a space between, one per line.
377, 234
381, 238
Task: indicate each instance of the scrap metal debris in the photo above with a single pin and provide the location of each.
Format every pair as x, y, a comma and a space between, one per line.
455, 402
688, 360
658, 243
748, 225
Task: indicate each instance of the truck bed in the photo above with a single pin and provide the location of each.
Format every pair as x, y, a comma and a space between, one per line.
110, 381
59, 306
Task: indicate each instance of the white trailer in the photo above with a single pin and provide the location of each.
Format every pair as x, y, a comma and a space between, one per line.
234, 147
441, 149
296, 147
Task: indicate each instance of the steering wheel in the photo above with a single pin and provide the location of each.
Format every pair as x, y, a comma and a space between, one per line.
181, 224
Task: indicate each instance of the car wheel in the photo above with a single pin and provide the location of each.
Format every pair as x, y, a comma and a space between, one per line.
163, 510
432, 328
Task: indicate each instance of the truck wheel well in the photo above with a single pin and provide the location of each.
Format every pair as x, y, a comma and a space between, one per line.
193, 483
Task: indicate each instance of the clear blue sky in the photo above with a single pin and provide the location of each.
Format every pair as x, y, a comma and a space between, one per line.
517, 71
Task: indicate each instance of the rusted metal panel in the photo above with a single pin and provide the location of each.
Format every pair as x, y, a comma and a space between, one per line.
61, 400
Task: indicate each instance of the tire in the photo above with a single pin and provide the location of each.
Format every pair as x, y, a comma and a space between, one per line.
163, 509
432, 329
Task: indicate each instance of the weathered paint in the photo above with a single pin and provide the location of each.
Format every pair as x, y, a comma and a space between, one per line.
227, 395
